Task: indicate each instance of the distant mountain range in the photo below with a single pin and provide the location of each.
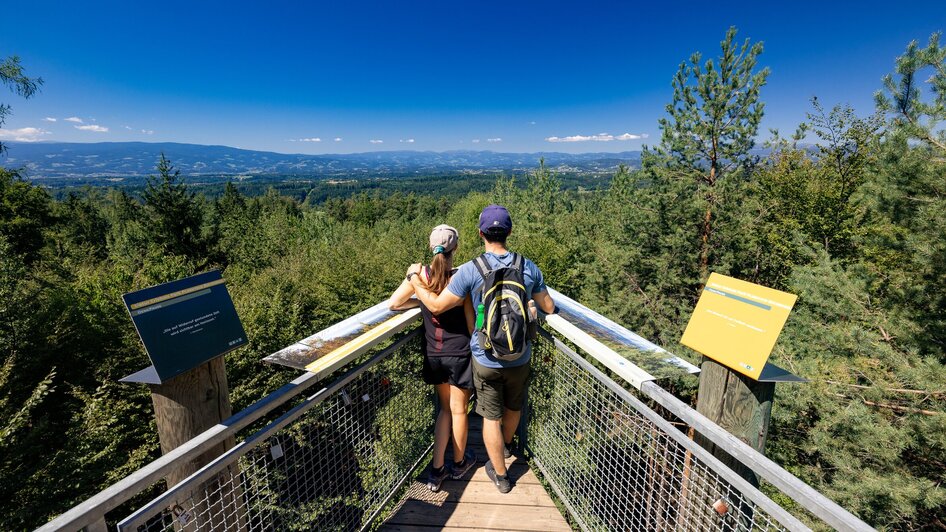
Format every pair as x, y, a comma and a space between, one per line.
125, 159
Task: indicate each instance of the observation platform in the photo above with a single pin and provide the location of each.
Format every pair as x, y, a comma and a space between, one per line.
345, 445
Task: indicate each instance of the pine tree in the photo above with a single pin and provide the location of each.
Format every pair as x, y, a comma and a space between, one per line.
173, 214
714, 118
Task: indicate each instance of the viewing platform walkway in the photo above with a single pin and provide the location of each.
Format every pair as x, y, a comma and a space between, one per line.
345, 446
473, 502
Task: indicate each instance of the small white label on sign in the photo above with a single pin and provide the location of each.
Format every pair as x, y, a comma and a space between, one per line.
276, 451
365, 398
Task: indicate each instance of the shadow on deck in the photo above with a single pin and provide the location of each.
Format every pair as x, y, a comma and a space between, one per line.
474, 503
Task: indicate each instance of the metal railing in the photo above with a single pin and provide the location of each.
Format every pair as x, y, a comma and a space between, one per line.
331, 462
334, 460
618, 465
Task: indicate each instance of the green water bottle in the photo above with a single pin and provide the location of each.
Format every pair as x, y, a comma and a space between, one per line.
479, 316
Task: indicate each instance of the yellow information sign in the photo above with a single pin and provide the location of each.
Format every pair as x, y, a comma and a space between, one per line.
736, 323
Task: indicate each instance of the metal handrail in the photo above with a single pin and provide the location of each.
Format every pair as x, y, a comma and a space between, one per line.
91, 511
730, 476
809, 498
230, 456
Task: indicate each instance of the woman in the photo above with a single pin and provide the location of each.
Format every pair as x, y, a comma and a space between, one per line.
446, 357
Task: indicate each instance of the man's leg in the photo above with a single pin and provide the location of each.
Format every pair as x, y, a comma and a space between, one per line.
514, 400
489, 385
510, 424
493, 440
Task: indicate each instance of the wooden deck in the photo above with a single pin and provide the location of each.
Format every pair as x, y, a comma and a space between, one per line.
474, 503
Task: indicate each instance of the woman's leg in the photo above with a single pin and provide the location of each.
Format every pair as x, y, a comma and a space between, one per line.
442, 426
459, 404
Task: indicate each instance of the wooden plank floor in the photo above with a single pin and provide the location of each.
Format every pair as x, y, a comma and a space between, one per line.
474, 503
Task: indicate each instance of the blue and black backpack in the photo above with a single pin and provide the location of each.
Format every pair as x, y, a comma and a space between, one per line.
505, 331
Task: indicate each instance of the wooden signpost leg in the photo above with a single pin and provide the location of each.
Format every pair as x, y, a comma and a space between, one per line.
184, 407
737, 403
742, 406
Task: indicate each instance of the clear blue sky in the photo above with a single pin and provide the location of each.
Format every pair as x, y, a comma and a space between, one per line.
263, 75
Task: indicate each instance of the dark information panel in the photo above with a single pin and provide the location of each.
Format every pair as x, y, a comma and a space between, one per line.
185, 323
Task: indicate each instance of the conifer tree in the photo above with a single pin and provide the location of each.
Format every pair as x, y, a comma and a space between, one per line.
173, 213
714, 117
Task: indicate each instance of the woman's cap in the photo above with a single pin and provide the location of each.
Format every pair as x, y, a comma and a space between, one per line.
495, 219
444, 236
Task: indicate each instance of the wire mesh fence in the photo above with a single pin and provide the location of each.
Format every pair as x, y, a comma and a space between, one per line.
617, 465
331, 463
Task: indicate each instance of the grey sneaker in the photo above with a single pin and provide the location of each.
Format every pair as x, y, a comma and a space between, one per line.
434, 480
502, 482
508, 450
469, 460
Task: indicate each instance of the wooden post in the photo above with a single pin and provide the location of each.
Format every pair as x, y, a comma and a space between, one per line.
740, 405
184, 407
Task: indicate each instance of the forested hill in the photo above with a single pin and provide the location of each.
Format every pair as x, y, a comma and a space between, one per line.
58, 159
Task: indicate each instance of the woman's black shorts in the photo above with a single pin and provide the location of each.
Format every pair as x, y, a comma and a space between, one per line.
455, 370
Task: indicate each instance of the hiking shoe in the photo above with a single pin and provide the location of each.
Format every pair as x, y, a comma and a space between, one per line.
469, 460
435, 479
502, 482
508, 450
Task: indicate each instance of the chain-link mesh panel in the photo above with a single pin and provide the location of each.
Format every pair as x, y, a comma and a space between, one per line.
616, 469
330, 469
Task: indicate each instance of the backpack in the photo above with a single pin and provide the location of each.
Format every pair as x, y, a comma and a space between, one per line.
503, 323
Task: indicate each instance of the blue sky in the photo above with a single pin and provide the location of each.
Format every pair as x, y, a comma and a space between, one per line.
442, 75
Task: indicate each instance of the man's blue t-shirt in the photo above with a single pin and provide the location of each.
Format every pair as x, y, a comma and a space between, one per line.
467, 280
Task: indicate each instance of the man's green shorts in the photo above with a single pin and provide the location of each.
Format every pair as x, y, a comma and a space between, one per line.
499, 388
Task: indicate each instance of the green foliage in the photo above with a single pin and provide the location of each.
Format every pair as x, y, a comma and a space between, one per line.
903, 94
173, 216
25, 212
14, 77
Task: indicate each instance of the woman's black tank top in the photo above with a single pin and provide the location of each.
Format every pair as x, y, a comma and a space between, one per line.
446, 334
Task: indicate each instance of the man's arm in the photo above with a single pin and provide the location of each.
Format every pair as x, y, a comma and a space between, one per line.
544, 301
436, 303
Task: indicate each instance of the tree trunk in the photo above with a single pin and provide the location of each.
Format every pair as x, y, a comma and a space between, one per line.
706, 231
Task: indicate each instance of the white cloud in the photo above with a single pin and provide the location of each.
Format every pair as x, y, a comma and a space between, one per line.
338, 139
532, 123
497, 139
75, 119
148, 131
376, 141
129, 128
476, 141
407, 141
24, 134
93, 127
600, 137
49, 119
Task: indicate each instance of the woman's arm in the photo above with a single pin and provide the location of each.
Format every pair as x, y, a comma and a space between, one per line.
401, 298
469, 313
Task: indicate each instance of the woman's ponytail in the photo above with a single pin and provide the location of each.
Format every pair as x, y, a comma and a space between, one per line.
440, 272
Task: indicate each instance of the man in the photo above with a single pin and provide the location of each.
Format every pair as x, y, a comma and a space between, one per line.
500, 385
